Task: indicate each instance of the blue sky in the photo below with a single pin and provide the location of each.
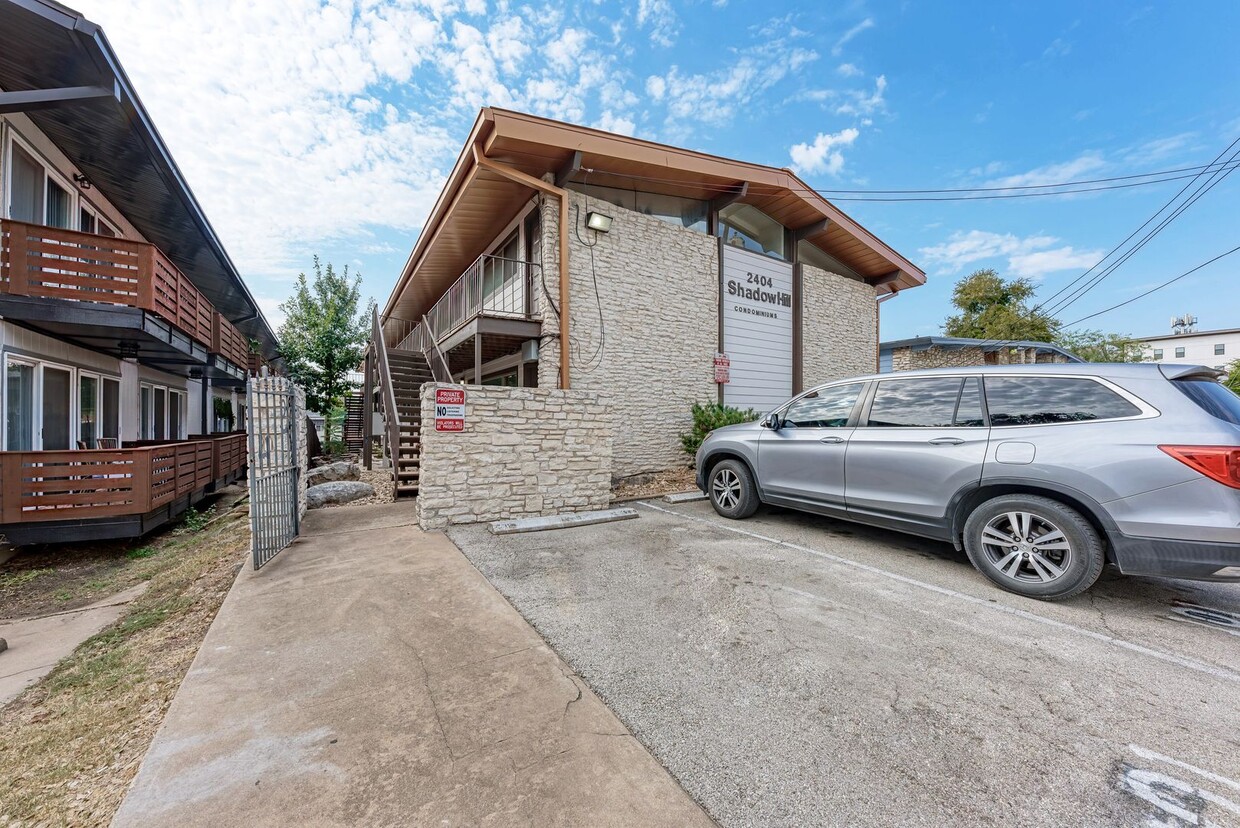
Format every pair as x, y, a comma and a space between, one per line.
311, 127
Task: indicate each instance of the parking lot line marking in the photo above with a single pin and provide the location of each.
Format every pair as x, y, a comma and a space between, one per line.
1158, 757
1170, 658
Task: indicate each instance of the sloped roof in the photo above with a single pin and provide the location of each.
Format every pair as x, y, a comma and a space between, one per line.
476, 204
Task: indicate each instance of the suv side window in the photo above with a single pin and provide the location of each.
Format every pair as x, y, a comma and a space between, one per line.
920, 402
1046, 400
825, 408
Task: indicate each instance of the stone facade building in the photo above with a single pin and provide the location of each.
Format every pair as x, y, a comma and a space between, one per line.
651, 276
960, 352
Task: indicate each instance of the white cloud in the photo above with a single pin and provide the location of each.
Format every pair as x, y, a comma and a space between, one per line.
823, 154
849, 70
1160, 149
865, 103
714, 98
1036, 265
1029, 256
868, 23
662, 21
616, 123
1085, 164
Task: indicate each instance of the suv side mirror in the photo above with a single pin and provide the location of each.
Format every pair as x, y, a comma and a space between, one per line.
772, 422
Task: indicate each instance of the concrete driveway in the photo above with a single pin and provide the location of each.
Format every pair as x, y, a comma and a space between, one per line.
792, 670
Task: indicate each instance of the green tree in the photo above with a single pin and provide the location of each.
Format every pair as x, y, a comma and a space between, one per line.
1232, 380
992, 307
324, 336
1100, 346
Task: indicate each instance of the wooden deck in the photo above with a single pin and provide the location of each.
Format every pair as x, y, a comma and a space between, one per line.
42, 486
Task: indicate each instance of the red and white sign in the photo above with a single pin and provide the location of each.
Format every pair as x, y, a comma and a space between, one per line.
449, 409
723, 368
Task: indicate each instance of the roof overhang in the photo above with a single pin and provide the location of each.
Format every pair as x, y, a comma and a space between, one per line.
954, 343
476, 204
112, 140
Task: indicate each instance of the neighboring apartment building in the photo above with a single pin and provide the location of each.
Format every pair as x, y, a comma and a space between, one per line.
957, 352
674, 277
123, 318
1217, 349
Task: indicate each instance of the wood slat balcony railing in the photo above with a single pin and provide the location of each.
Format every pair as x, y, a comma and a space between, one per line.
97, 483
84, 267
229, 342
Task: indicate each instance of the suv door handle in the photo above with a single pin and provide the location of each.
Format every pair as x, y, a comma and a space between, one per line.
946, 441
831, 439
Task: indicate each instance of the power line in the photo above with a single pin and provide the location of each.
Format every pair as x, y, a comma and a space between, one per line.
1153, 289
1214, 166
984, 193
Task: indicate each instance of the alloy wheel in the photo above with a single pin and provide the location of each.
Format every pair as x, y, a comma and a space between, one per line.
1025, 546
725, 488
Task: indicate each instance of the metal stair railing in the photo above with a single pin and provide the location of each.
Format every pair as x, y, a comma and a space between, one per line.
434, 356
387, 393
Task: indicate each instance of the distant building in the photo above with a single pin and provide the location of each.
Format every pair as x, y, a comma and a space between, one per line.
958, 352
1216, 349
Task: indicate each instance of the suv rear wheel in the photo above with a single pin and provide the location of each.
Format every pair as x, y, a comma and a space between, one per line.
1034, 546
731, 490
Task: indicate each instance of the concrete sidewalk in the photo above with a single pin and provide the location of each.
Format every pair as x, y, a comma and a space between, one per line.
370, 675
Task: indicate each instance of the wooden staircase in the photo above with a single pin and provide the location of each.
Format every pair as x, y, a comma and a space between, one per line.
354, 425
409, 370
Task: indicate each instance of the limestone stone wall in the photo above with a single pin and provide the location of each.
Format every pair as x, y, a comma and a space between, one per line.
839, 327
643, 324
906, 359
524, 452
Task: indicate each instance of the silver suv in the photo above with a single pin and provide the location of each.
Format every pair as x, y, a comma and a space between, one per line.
1041, 473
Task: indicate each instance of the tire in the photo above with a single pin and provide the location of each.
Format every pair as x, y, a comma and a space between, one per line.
731, 490
1064, 559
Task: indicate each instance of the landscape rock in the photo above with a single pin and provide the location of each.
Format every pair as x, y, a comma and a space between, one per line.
332, 472
337, 492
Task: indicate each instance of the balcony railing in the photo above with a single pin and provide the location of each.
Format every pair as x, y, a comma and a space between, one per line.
98, 483
84, 267
491, 286
229, 342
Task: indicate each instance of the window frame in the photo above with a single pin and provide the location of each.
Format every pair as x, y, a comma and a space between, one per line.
14, 138
1220, 349
1145, 410
1180, 353
1158, 354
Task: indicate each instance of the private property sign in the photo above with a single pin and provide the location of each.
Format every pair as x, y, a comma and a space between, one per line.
449, 409
722, 366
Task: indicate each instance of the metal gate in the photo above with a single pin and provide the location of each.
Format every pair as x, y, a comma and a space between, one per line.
275, 465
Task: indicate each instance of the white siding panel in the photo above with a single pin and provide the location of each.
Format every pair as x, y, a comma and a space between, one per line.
757, 329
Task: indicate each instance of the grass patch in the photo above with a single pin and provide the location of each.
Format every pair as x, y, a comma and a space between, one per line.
73, 742
13, 581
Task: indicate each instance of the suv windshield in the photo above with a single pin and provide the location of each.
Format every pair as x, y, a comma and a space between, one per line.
1212, 397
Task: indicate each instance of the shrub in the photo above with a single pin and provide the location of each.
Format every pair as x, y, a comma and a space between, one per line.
707, 418
194, 520
335, 448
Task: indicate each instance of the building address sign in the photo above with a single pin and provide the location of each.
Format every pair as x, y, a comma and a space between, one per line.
757, 329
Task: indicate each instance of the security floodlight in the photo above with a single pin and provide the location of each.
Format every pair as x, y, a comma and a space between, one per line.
599, 222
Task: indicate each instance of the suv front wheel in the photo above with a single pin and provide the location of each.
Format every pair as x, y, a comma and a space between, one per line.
731, 490
1034, 546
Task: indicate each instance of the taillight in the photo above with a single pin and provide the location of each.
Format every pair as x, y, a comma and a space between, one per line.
1221, 463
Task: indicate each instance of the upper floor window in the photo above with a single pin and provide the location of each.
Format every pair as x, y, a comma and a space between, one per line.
744, 226
1219, 350
1158, 353
1179, 352
688, 213
36, 195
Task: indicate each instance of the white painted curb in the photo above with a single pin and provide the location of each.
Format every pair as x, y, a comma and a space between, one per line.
565, 521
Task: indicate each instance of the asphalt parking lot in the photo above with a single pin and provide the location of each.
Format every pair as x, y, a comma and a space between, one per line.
793, 670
